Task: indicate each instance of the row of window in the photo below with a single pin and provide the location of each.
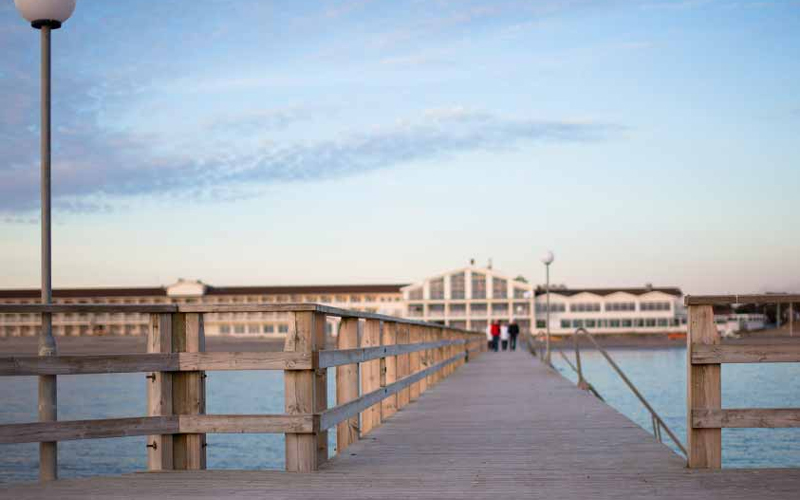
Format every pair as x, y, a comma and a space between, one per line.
253, 329
557, 307
616, 323
479, 309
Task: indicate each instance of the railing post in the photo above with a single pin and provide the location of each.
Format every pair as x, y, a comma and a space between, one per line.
347, 384
438, 354
426, 360
188, 391
389, 370
403, 366
305, 392
703, 391
415, 360
159, 393
371, 376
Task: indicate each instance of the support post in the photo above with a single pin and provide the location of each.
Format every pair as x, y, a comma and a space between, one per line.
703, 391
305, 452
403, 366
415, 359
371, 376
347, 384
188, 392
159, 393
389, 370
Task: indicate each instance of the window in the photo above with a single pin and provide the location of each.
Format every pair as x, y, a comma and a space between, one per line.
478, 286
555, 307
355, 298
436, 309
459, 324
416, 310
565, 323
614, 323
283, 328
585, 307
252, 328
477, 309
662, 322
650, 322
238, 329
269, 328
520, 293
478, 326
436, 289
541, 324
369, 298
415, 294
521, 309
458, 309
577, 323
224, 329
590, 323
458, 286
500, 309
325, 299
499, 288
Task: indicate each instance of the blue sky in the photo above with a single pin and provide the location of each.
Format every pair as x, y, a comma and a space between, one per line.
256, 142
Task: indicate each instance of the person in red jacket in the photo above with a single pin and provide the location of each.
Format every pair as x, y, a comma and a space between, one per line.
495, 335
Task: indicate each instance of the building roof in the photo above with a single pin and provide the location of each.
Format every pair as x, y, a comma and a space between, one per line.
210, 290
569, 292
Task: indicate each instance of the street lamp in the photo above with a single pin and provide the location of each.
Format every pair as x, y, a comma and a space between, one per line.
46, 15
547, 259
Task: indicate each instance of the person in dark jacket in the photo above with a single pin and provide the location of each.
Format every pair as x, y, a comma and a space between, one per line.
513, 332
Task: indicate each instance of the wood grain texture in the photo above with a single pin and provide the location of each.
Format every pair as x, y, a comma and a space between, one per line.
704, 390
246, 424
340, 357
371, 376
188, 392
403, 366
772, 298
389, 370
68, 430
765, 418
347, 384
746, 353
159, 393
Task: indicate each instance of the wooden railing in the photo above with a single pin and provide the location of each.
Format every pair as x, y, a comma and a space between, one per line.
705, 355
382, 364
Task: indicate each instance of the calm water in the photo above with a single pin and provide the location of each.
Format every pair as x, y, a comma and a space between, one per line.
659, 374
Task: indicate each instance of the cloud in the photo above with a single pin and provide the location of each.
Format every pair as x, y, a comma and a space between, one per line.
95, 169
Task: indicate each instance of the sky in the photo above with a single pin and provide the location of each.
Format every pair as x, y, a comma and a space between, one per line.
246, 142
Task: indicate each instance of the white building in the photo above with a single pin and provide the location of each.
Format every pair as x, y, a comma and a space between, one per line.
470, 298
612, 310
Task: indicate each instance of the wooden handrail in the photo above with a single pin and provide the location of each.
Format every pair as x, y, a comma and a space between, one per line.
720, 300
404, 358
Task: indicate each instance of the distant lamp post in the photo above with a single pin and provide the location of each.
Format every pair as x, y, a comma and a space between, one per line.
547, 259
46, 15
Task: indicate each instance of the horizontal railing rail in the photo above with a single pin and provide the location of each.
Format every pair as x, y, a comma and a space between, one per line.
383, 363
705, 355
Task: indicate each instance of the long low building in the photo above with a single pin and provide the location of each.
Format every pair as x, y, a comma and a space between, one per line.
383, 299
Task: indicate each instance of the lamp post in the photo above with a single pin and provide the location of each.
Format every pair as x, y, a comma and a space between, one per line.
547, 259
46, 15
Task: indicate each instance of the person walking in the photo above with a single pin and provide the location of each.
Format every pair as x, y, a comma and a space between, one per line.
504, 335
513, 332
495, 330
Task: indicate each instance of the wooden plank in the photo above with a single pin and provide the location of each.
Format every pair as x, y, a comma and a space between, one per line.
217, 361
746, 418
299, 393
703, 391
159, 393
339, 413
188, 392
347, 384
709, 300
745, 353
246, 424
69, 430
348, 356
371, 376
84, 365
320, 387
389, 370
403, 366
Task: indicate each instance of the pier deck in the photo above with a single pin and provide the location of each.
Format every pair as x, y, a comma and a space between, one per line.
503, 426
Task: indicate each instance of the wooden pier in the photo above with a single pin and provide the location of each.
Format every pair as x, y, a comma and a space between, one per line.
499, 426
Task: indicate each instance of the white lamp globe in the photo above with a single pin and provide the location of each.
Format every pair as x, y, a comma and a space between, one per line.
45, 12
548, 258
